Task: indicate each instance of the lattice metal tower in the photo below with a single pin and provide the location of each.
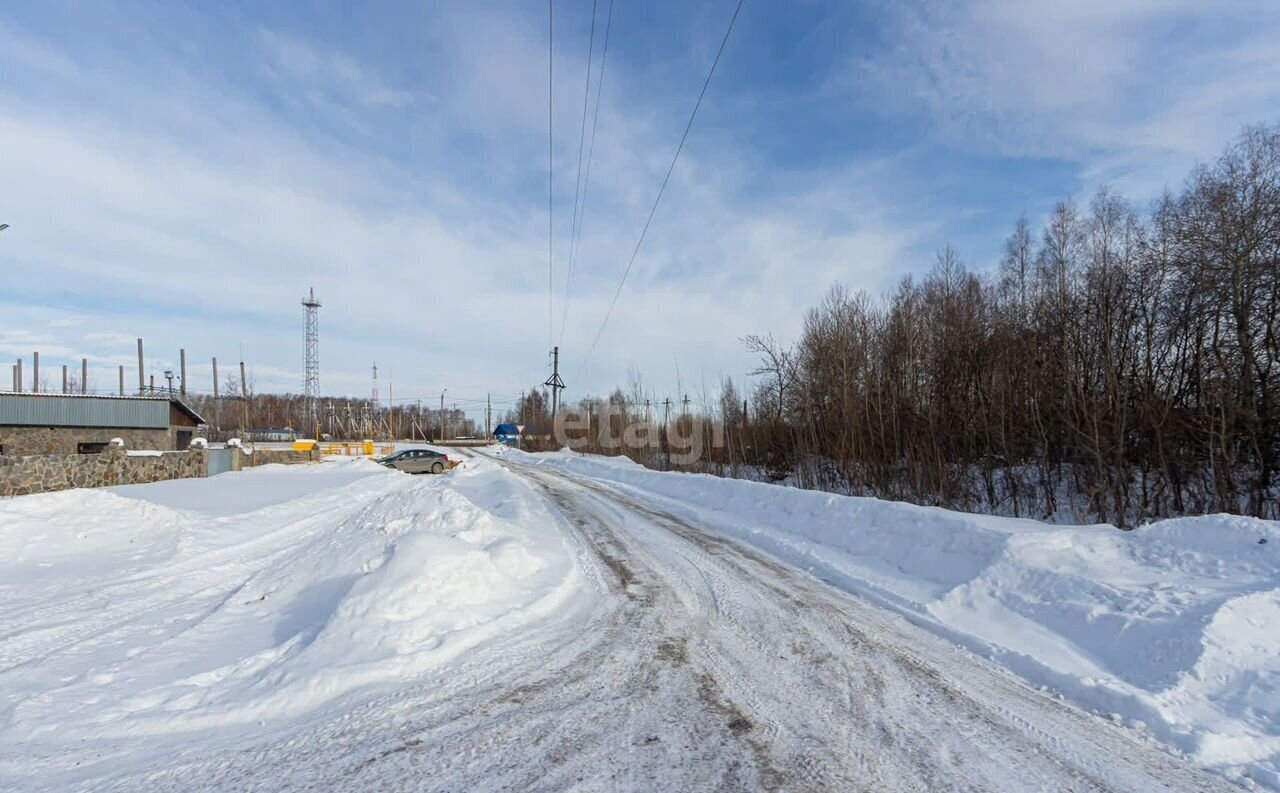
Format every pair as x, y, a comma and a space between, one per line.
311, 388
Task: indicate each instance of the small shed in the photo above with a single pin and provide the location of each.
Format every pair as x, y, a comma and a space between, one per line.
35, 423
508, 434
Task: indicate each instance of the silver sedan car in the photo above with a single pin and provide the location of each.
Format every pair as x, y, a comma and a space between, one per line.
417, 461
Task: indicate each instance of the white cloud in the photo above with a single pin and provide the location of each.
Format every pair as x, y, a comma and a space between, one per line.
1136, 90
190, 214
325, 77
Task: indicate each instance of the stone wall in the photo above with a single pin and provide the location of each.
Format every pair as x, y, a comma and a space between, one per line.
19, 441
283, 456
21, 475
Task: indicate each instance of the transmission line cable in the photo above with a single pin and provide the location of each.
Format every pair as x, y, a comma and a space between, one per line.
576, 233
550, 176
665, 180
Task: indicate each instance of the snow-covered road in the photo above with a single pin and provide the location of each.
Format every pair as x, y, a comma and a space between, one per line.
610, 645
714, 667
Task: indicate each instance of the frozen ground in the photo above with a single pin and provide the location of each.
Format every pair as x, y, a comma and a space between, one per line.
553, 623
1173, 628
143, 624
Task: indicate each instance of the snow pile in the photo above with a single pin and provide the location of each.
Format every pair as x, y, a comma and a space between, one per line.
203, 614
1173, 627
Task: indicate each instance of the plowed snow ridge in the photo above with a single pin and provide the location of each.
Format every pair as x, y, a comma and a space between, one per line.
552, 623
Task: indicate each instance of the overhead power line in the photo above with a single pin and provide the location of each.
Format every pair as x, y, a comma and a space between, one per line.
665, 180
582, 131
550, 174
579, 210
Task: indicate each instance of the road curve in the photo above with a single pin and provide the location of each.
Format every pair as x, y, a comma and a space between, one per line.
773, 680
706, 666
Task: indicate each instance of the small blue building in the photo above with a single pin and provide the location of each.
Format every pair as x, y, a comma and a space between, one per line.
508, 434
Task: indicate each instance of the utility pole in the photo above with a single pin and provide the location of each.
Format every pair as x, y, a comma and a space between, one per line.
391, 411
121, 379
182, 373
488, 415
18, 388
442, 393
142, 385
555, 383
648, 430
216, 407
64, 378
35, 373
84, 375
244, 398
664, 438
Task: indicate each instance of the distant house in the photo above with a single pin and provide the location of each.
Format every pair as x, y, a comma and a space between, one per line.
35, 423
508, 434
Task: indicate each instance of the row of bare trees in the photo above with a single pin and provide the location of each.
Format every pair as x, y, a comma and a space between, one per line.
1115, 365
252, 414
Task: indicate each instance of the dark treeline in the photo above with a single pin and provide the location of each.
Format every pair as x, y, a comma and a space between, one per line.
1116, 364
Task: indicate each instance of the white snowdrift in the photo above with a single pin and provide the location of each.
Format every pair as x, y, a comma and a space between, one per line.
204, 613
1173, 627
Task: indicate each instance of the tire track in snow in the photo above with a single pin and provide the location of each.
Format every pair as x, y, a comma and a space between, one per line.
985, 720
704, 665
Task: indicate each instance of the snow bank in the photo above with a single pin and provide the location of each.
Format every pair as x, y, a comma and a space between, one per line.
1173, 627
203, 614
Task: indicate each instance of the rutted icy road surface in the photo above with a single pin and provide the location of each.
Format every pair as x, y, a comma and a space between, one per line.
717, 668
683, 661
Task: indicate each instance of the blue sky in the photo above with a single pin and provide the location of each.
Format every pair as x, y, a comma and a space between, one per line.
185, 172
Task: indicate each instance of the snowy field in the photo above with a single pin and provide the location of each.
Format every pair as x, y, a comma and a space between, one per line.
149, 629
